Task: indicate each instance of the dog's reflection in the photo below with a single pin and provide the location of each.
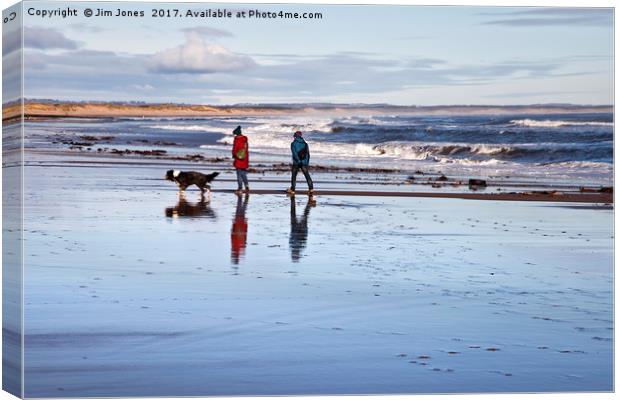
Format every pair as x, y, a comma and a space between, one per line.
186, 209
299, 229
239, 230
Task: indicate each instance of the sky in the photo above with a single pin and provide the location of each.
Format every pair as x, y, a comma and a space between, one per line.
405, 55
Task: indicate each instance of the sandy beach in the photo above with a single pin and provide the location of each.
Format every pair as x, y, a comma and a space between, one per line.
37, 109
390, 280
254, 295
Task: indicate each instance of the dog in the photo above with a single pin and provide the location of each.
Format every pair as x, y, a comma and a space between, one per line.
185, 179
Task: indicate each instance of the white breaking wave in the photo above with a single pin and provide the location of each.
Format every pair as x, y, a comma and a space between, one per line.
267, 132
466, 161
556, 124
583, 165
288, 126
366, 120
278, 142
196, 128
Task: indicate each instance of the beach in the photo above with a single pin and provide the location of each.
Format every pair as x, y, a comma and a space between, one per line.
401, 295
59, 109
392, 279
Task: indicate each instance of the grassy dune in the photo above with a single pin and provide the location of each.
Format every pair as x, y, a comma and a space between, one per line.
35, 109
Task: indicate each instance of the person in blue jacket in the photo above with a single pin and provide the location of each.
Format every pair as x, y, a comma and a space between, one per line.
301, 159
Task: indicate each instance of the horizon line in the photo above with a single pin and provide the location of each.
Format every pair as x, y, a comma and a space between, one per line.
316, 103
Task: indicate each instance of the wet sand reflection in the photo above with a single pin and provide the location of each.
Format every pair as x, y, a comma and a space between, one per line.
239, 230
184, 208
299, 229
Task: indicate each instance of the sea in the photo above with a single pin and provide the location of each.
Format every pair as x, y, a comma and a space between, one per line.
557, 147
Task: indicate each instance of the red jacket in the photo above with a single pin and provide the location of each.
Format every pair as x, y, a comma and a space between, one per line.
240, 152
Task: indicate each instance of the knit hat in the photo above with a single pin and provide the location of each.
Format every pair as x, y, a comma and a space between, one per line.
298, 134
237, 130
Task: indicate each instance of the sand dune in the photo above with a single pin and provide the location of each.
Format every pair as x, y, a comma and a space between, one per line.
34, 108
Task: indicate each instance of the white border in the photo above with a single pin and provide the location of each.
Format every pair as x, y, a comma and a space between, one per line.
504, 3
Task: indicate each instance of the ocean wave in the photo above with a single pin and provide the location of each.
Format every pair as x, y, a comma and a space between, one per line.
600, 166
368, 120
368, 138
469, 162
556, 124
196, 128
441, 152
523, 152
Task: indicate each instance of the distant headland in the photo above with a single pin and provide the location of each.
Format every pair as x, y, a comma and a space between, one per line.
44, 108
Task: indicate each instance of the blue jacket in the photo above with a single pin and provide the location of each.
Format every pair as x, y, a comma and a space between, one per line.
298, 145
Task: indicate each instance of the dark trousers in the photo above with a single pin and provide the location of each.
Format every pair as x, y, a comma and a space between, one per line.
242, 178
304, 170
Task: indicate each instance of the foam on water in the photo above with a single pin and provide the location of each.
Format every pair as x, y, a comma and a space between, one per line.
197, 128
557, 124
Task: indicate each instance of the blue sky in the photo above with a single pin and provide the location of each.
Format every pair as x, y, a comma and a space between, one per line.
354, 54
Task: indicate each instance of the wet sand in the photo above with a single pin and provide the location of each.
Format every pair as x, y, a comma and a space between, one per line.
596, 198
133, 290
339, 181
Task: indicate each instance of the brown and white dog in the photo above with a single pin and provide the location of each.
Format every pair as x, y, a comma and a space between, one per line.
185, 179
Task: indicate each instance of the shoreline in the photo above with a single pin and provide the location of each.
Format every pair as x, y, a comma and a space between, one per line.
90, 150
392, 183
116, 156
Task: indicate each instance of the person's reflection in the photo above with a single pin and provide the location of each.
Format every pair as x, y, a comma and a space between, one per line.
299, 229
184, 208
239, 230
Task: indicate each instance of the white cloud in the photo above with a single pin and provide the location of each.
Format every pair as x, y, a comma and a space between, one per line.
598, 17
47, 38
196, 56
208, 31
11, 41
142, 87
339, 77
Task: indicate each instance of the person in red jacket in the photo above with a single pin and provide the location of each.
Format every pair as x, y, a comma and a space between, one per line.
241, 157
